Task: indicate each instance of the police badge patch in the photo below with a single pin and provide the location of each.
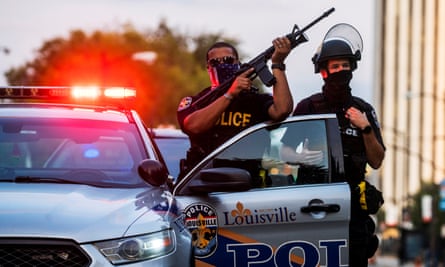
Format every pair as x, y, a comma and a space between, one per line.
185, 103
201, 221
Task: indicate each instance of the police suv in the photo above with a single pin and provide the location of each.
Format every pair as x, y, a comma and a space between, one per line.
86, 186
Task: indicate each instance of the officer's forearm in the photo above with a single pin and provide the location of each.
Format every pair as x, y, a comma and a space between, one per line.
374, 150
205, 118
283, 102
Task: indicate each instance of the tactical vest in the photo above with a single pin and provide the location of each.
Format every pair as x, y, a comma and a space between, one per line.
354, 151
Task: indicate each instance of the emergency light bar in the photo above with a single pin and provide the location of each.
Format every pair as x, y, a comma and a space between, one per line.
96, 94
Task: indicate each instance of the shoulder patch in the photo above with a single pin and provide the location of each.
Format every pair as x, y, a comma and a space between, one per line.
185, 103
374, 115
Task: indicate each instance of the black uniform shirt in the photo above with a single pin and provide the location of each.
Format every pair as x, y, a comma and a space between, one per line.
245, 110
352, 140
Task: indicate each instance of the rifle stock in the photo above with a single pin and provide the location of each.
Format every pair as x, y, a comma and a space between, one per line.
259, 63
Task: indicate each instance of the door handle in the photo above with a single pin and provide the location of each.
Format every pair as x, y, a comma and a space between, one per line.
320, 207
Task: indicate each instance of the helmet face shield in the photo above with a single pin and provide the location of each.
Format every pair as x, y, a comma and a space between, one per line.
347, 33
341, 41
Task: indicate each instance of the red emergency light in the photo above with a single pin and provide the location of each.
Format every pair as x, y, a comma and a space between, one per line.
103, 96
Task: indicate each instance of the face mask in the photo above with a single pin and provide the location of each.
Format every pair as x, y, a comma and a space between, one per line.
222, 72
336, 88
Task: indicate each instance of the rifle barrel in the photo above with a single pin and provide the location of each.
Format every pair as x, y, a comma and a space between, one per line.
325, 14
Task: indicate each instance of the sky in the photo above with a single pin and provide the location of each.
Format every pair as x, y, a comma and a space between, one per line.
26, 24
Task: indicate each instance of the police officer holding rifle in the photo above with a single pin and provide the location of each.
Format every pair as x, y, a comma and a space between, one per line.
231, 104
240, 107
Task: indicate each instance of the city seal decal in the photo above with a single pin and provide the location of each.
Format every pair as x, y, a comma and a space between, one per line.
201, 220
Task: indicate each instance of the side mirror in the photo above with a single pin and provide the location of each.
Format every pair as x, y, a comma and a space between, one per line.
152, 172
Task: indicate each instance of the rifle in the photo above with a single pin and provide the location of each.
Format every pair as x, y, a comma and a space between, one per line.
296, 37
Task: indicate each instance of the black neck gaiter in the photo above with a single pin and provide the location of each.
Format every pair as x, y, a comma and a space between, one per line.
336, 88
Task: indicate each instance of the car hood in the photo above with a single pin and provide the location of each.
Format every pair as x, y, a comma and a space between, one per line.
81, 212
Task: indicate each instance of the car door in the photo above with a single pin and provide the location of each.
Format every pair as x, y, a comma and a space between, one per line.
247, 206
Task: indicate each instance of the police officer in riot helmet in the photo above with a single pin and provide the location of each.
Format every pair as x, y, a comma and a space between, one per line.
240, 107
362, 142
336, 62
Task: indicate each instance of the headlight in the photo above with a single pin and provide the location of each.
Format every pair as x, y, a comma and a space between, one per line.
138, 248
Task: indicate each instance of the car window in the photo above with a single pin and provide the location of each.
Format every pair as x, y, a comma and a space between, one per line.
173, 150
260, 154
173, 145
55, 148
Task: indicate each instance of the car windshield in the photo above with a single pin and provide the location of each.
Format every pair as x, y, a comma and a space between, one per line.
77, 150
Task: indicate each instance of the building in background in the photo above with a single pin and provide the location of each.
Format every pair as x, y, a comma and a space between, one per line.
410, 96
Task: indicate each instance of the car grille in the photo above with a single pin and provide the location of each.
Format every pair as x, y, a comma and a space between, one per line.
41, 253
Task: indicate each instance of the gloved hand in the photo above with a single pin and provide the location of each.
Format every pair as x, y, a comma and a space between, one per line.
306, 156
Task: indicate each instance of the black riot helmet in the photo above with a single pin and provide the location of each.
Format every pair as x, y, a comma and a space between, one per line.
341, 41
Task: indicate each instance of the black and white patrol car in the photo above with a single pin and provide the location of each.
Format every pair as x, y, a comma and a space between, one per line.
84, 185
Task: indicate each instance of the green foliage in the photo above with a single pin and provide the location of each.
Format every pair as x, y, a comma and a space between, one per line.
105, 58
416, 207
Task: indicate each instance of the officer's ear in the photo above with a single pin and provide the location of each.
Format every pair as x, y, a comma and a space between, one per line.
324, 73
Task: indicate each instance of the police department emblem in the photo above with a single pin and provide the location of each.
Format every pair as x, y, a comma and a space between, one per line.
185, 103
201, 220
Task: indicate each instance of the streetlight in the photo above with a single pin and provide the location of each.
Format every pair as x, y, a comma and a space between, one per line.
146, 56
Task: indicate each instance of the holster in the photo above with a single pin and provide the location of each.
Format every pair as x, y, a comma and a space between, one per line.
371, 199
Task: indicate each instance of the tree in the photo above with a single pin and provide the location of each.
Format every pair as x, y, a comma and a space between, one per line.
431, 230
106, 59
